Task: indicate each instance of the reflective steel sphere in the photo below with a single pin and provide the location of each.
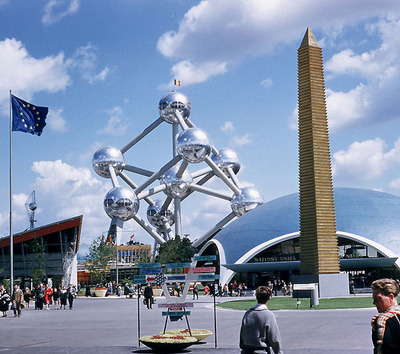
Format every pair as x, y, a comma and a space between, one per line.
121, 203
32, 206
248, 199
171, 103
105, 157
193, 145
176, 187
157, 216
227, 158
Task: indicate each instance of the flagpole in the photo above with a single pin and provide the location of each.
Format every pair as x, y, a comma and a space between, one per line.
11, 231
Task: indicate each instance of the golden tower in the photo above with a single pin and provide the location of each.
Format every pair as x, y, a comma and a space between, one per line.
318, 240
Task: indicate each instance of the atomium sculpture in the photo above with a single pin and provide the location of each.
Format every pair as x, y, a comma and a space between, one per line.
191, 146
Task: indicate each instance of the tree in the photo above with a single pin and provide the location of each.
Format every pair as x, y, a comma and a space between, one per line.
38, 271
176, 250
98, 257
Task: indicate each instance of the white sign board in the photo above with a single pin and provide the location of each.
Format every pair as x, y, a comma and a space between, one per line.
310, 286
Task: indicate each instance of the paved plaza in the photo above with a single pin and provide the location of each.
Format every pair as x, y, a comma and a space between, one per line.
110, 325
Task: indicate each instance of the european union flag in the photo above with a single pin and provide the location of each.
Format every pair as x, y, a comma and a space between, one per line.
27, 117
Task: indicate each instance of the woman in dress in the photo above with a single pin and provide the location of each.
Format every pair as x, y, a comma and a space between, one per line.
27, 297
206, 290
4, 300
39, 297
56, 297
63, 297
48, 293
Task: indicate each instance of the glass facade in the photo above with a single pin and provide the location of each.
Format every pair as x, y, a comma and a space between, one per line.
289, 250
134, 254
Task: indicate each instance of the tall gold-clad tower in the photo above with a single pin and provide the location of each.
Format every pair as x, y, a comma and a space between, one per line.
318, 240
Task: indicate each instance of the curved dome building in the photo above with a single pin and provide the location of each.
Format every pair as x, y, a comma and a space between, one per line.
265, 242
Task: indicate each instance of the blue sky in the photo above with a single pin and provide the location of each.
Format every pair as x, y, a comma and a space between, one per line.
102, 66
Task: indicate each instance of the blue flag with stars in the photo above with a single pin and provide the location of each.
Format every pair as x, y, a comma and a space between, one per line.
27, 117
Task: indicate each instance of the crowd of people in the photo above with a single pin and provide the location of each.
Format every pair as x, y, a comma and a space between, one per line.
233, 289
43, 296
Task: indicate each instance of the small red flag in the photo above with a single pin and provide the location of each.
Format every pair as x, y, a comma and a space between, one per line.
132, 236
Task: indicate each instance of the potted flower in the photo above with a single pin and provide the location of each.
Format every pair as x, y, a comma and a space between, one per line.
199, 334
168, 342
100, 291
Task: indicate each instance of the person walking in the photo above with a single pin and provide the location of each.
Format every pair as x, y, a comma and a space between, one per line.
87, 292
386, 325
148, 296
71, 295
177, 290
48, 291
63, 297
206, 290
259, 330
56, 299
195, 291
17, 298
27, 297
39, 297
4, 300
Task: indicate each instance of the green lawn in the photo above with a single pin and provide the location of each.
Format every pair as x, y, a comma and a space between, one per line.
287, 303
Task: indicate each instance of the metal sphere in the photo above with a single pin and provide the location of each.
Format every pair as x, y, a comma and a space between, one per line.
32, 206
157, 216
105, 157
227, 158
247, 200
172, 103
121, 203
176, 187
193, 145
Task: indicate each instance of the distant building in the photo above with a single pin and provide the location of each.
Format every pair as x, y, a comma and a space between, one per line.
134, 254
53, 247
128, 257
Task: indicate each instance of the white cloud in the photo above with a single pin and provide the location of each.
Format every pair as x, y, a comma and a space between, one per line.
346, 108
225, 32
84, 60
102, 75
26, 75
227, 127
19, 200
56, 10
362, 161
189, 74
266, 83
378, 72
241, 140
55, 120
365, 161
117, 124
64, 191
394, 184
